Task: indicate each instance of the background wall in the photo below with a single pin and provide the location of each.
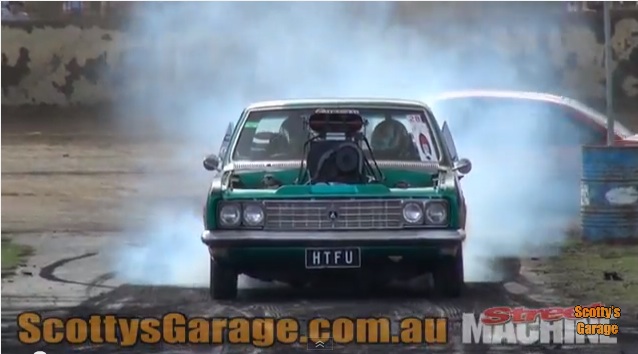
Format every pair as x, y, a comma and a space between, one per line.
85, 62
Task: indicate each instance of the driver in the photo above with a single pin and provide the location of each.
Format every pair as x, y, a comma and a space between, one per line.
391, 140
290, 139
293, 128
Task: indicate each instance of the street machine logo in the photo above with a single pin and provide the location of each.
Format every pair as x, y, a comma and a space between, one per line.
553, 325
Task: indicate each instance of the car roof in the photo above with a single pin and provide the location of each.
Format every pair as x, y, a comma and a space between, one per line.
312, 102
595, 115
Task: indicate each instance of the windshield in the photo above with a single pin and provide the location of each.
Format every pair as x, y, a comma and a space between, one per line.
393, 134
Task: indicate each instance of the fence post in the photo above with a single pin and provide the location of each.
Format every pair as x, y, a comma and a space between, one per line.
608, 74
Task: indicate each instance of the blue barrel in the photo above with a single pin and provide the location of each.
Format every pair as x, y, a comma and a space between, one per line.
609, 193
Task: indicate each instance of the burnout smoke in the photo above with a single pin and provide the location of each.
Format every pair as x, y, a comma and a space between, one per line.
202, 62
520, 200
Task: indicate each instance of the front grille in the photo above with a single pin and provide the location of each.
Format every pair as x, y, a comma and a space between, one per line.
337, 214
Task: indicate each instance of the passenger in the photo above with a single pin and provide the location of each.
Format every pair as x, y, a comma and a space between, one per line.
391, 140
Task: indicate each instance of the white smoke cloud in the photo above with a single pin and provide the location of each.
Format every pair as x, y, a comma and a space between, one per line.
211, 59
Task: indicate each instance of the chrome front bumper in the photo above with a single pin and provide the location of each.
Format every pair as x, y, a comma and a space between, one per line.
258, 238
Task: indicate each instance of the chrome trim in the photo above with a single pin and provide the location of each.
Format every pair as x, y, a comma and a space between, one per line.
361, 102
300, 236
333, 214
216, 185
417, 166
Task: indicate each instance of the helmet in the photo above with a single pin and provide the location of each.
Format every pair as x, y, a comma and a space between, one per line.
293, 129
389, 135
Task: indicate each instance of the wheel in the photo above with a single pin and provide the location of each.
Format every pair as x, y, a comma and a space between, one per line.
223, 282
449, 275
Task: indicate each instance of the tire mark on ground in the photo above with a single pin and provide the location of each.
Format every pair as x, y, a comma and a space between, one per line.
47, 272
97, 283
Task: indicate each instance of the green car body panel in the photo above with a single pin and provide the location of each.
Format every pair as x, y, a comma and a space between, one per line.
402, 183
258, 255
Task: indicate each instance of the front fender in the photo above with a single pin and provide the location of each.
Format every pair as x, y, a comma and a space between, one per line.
210, 208
450, 185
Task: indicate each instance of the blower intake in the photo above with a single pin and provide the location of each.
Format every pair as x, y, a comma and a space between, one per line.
335, 155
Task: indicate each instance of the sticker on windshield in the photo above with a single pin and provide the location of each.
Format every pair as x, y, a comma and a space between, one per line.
336, 111
252, 125
424, 143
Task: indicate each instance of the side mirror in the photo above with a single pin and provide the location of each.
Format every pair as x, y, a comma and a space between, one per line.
211, 163
463, 166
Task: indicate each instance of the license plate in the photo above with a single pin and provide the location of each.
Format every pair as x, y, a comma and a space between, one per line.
317, 258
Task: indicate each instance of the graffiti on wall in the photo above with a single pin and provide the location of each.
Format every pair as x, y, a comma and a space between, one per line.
67, 64
59, 65
585, 53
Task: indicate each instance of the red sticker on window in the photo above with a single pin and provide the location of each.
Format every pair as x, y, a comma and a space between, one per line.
425, 144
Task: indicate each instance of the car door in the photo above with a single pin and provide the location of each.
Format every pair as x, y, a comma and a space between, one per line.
448, 141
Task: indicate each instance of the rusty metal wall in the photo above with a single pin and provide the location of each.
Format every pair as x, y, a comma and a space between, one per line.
81, 61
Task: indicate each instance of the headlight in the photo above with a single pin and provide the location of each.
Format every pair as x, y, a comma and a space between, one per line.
413, 213
230, 215
253, 215
436, 213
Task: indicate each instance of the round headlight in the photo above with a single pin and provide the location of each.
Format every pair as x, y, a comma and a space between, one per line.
230, 215
253, 215
413, 213
436, 213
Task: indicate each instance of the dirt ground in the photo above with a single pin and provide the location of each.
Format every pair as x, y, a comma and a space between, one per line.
73, 186
56, 181
593, 273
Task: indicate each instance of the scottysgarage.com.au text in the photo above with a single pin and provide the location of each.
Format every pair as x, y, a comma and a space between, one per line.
177, 328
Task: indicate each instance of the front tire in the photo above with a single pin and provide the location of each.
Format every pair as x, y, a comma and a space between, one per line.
223, 282
449, 275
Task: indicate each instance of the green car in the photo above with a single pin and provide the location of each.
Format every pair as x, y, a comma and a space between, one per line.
357, 190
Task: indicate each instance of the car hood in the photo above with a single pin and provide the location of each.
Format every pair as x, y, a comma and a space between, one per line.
415, 174
392, 178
